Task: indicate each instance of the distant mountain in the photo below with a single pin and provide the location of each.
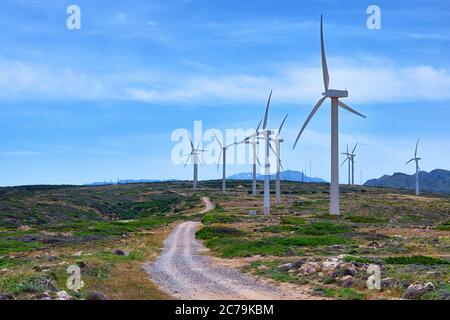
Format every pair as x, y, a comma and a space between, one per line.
105, 183
435, 181
288, 175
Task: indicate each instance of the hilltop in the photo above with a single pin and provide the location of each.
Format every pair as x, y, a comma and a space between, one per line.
435, 181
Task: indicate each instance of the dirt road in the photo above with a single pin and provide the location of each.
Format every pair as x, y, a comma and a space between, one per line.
208, 205
185, 272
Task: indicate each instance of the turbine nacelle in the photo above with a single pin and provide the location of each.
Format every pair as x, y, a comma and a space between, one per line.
331, 93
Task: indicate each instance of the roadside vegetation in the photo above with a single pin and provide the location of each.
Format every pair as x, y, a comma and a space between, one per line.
110, 232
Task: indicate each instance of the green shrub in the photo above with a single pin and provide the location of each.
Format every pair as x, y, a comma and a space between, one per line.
324, 228
415, 260
215, 217
444, 227
365, 219
292, 220
210, 232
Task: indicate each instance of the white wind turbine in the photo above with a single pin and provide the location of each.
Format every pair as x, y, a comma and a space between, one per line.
416, 159
334, 95
194, 153
223, 151
350, 157
266, 134
347, 159
277, 152
252, 140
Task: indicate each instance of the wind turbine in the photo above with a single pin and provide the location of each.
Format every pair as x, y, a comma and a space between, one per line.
416, 159
277, 150
194, 153
352, 158
334, 95
351, 164
266, 134
348, 160
252, 140
223, 151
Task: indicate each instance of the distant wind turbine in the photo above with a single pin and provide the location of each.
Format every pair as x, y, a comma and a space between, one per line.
252, 140
277, 151
334, 95
223, 152
266, 134
416, 159
194, 153
350, 157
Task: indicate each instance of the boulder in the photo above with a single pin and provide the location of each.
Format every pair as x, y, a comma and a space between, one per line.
96, 295
309, 268
347, 281
387, 283
345, 269
263, 268
63, 295
6, 296
120, 252
417, 289
285, 267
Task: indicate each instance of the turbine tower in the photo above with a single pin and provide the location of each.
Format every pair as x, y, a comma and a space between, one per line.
416, 159
252, 140
277, 151
334, 95
347, 159
350, 157
223, 151
194, 154
266, 134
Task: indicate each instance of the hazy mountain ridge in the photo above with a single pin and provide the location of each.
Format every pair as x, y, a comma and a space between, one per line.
288, 175
437, 180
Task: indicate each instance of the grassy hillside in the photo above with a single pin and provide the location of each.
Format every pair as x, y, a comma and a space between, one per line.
44, 229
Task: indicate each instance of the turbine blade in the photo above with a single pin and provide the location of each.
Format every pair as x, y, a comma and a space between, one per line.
281, 166
314, 110
409, 161
259, 125
190, 140
187, 160
346, 107
273, 150
343, 162
326, 76
257, 159
355, 147
347, 148
267, 111
218, 159
417, 144
282, 124
217, 139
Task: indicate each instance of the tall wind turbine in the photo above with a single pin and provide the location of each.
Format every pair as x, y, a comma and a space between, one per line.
350, 157
194, 154
334, 95
223, 152
252, 140
277, 151
347, 159
266, 134
416, 159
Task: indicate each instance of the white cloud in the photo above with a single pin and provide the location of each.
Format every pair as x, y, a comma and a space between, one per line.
367, 82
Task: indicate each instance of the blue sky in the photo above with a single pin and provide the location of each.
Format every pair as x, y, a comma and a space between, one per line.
101, 103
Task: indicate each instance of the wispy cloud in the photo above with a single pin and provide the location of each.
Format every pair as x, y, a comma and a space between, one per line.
367, 81
20, 153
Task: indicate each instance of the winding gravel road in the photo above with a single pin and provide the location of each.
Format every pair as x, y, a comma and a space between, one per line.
185, 272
